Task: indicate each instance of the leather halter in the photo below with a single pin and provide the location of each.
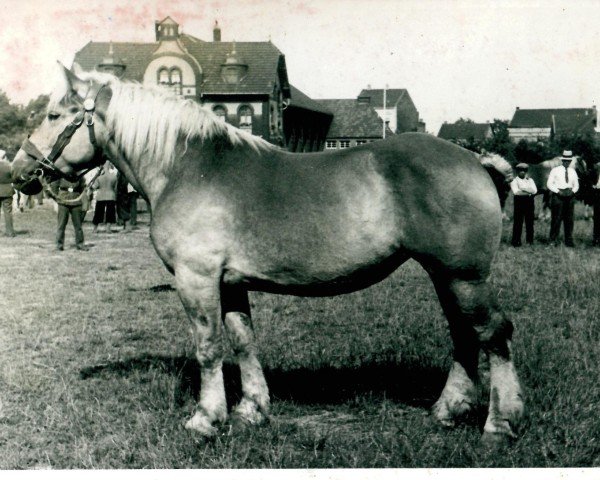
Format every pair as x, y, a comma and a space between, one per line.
48, 164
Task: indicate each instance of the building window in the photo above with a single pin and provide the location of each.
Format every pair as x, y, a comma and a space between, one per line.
170, 79
245, 118
221, 112
175, 80
330, 144
163, 77
344, 143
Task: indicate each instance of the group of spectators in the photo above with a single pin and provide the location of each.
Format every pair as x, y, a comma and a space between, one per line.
562, 184
115, 202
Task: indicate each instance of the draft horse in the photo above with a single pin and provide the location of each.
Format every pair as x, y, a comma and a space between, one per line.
232, 213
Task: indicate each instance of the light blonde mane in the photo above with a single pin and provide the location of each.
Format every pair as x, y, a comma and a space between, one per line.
147, 123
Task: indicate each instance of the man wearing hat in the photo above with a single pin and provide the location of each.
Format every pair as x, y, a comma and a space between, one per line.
524, 190
563, 183
6, 193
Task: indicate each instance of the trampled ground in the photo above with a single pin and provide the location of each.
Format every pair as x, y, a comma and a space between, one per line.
97, 368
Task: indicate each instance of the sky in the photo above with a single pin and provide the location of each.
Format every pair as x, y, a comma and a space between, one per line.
472, 58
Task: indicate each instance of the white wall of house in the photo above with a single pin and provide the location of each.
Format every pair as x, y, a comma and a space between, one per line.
529, 134
188, 78
389, 115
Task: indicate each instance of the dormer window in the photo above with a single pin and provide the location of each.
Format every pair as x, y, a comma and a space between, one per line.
234, 69
167, 29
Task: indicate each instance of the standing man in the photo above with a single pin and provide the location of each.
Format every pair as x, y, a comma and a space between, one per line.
563, 183
524, 190
68, 196
6, 193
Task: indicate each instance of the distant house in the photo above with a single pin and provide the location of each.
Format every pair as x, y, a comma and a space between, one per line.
354, 123
399, 110
465, 132
536, 124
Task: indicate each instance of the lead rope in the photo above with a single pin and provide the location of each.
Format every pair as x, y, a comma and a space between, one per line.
74, 201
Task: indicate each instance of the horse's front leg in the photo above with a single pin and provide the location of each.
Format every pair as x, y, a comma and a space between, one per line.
199, 293
254, 406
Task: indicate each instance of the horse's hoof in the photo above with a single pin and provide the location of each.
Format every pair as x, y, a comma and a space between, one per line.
248, 412
201, 425
447, 414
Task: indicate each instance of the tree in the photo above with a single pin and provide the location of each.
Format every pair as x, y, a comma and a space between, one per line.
500, 142
463, 121
16, 121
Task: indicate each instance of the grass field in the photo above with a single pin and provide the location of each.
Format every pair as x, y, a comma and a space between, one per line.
97, 368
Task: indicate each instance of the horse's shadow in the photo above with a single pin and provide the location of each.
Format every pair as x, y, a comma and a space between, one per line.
414, 385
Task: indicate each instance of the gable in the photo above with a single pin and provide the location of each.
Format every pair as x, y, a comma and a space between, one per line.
352, 119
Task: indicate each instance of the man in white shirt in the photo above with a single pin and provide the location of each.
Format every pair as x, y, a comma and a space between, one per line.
563, 183
524, 190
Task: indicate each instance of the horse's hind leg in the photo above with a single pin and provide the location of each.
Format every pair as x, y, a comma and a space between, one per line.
476, 322
460, 392
254, 406
199, 294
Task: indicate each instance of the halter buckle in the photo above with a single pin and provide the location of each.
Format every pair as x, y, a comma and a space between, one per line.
89, 104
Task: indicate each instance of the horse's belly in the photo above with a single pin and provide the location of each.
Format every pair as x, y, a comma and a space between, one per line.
317, 275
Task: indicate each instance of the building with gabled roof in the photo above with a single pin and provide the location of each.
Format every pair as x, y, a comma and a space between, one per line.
395, 107
354, 123
464, 133
246, 83
548, 123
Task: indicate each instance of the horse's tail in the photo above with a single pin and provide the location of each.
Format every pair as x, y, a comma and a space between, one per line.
501, 173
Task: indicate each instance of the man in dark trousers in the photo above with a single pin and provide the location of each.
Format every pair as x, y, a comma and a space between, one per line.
524, 190
6, 193
68, 196
563, 183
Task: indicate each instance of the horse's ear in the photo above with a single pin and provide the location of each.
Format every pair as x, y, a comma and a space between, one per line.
75, 84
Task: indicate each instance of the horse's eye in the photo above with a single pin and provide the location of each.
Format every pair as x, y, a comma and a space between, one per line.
73, 110
53, 116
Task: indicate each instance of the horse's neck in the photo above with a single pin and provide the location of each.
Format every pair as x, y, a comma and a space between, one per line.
148, 180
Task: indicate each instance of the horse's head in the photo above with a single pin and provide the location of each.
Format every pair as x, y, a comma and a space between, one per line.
70, 138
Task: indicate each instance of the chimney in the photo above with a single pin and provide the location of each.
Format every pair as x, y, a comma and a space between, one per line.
216, 32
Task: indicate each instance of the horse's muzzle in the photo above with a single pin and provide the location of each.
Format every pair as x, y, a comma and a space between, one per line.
26, 174
31, 186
